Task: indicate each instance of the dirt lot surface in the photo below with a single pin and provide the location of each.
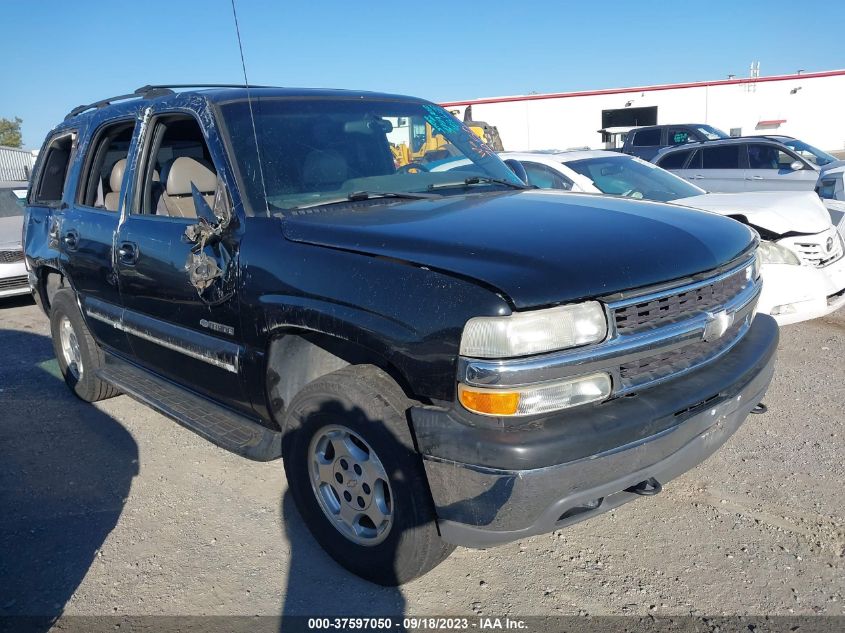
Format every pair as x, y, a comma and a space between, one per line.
114, 509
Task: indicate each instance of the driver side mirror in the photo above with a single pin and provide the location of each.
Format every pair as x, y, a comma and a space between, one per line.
518, 168
796, 165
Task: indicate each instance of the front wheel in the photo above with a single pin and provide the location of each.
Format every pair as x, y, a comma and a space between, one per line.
356, 479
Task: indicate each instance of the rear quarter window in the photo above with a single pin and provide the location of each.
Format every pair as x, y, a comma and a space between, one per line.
647, 138
52, 176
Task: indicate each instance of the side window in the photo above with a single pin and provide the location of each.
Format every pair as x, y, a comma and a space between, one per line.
679, 136
721, 157
647, 138
105, 165
176, 161
545, 177
51, 181
827, 189
762, 156
675, 160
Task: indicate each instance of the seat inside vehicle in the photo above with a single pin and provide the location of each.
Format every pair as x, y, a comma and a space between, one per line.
115, 179
179, 175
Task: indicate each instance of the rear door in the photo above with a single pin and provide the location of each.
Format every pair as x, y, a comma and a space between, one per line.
770, 168
89, 225
719, 168
177, 327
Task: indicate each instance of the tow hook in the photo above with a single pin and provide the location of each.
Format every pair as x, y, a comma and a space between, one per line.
759, 409
647, 488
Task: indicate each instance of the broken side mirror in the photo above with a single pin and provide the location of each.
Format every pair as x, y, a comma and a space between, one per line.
212, 221
219, 214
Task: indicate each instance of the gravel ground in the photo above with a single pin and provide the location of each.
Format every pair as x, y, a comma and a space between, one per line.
114, 509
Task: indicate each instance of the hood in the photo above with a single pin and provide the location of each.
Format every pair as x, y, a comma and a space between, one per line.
535, 247
10, 232
780, 212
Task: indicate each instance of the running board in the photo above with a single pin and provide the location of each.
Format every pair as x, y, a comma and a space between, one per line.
225, 428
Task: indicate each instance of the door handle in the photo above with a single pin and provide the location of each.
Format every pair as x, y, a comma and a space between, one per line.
754, 178
71, 240
697, 177
128, 252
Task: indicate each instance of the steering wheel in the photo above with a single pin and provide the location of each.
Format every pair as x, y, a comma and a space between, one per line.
406, 169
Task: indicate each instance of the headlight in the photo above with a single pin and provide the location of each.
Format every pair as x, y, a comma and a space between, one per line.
526, 333
771, 253
540, 398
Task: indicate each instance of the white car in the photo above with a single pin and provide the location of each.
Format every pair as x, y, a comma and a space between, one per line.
802, 251
13, 275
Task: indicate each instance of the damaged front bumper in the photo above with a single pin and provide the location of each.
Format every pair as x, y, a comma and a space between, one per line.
495, 485
792, 294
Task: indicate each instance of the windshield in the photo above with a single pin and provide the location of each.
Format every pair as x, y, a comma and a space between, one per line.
711, 133
12, 202
635, 178
316, 150
807, 151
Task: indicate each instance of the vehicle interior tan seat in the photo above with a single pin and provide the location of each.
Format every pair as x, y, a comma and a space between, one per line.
115, 180
176, 200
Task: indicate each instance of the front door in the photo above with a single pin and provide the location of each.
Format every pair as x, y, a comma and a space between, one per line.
180, 305
770, 168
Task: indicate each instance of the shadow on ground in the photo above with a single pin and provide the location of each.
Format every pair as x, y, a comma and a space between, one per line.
318, 586
65, 472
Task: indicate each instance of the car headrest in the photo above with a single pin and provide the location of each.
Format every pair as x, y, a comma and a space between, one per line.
184, 171
116, 177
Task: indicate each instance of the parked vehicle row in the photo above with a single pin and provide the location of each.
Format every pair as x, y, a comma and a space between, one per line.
720, 163
441, 357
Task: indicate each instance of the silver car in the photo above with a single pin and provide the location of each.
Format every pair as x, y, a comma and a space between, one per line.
740, 164
13, 277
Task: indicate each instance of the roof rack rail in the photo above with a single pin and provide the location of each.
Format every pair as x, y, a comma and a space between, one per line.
150, 91
150, 87
145, 92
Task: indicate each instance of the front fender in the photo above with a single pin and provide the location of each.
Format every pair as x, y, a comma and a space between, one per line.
410, 316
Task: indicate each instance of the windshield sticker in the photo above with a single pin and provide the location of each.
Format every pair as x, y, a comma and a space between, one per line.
444, 123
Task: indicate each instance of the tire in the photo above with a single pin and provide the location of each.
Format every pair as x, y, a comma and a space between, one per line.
77, 353
322, 421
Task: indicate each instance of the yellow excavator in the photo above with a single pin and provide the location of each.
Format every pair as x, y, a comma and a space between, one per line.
426, 146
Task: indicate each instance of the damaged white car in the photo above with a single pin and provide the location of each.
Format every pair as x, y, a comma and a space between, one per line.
802, 249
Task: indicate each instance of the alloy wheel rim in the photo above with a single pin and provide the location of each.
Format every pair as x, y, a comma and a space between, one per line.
351, 485
70, 348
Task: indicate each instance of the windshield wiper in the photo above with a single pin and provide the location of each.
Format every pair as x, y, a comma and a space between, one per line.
357, 196
480, 180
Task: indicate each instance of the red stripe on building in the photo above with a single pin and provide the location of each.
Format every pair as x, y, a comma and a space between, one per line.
615, 91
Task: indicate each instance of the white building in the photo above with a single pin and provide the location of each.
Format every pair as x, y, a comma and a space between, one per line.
808, 106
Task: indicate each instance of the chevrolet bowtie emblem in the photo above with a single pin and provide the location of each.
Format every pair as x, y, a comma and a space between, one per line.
717, 324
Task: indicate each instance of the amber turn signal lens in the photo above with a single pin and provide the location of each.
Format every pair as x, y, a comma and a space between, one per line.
489, 402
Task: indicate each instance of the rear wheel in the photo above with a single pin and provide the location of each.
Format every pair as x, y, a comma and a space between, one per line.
356, 478
77, 353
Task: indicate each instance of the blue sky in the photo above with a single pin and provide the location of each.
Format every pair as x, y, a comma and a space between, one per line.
60, 53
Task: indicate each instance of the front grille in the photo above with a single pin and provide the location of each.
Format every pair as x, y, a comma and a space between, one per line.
817, 255
12, 283
665, 364
11, 257
667, 309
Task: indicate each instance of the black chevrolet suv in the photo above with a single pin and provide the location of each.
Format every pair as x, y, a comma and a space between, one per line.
441, 356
